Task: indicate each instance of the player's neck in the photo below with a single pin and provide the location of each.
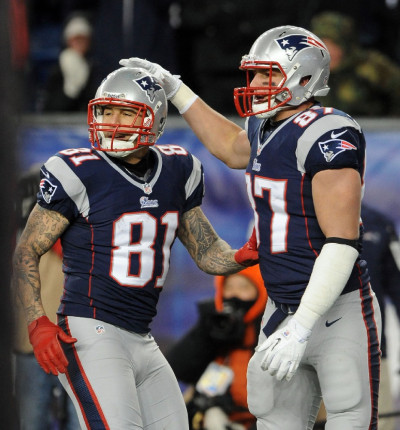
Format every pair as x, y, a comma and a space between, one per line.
136, 156
142, 169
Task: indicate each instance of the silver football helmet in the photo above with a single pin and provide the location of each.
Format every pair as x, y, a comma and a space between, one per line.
134, 90
301, 57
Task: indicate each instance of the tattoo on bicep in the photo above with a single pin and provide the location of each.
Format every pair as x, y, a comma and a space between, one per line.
42, 230
44, 227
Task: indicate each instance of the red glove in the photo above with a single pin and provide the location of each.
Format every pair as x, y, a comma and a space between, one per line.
44, 337
247, 255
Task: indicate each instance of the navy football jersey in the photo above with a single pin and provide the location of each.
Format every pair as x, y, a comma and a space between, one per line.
284, 158
117, 246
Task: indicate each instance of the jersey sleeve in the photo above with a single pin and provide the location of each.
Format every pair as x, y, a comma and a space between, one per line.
53, 194
332, 142
194, 187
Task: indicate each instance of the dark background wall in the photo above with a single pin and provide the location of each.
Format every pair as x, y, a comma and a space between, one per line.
8, 92
202, 41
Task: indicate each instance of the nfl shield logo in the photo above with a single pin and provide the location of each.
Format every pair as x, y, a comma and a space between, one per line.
147, 189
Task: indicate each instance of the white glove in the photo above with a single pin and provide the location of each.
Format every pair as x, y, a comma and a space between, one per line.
181, 96
168, 81
284, 350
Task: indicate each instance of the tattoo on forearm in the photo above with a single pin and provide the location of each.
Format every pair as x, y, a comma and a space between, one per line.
212, 254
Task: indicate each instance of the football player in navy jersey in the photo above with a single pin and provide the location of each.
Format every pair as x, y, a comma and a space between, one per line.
117, 207
305, 167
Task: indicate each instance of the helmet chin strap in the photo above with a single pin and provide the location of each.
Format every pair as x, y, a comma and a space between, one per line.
268, 114
105, 142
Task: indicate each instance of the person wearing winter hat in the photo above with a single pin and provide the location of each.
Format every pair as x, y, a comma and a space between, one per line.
72, 81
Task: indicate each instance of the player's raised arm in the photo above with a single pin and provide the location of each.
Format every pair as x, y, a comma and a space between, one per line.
42, 230
212, 254
222, 137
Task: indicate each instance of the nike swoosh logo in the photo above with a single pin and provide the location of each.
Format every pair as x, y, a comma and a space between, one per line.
336, 135
328, 324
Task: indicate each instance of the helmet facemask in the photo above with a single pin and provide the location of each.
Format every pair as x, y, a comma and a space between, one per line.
117, 139
264, 101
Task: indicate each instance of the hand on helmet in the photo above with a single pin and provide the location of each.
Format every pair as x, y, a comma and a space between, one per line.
284, 350
45, 338
247, 255
170, 83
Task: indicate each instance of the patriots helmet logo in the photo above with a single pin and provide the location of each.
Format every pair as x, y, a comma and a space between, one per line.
149, 86
332, 147
47, 189
294, 43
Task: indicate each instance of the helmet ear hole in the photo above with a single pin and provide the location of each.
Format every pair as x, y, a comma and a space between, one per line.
305, 80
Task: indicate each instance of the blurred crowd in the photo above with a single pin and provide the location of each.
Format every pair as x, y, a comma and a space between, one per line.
73, 44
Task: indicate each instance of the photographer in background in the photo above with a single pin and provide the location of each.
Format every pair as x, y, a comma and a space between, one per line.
213, 356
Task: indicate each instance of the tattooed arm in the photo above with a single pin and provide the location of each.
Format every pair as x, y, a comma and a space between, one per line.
42, 230
211, 254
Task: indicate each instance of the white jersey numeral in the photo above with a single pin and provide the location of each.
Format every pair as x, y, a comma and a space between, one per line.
276, 196
144, 248
79, 159
170, 219
305, 118
172, 150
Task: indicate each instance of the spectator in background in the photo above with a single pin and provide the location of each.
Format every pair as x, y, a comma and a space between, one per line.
213, 355
363, 82
72, 82
41, 399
